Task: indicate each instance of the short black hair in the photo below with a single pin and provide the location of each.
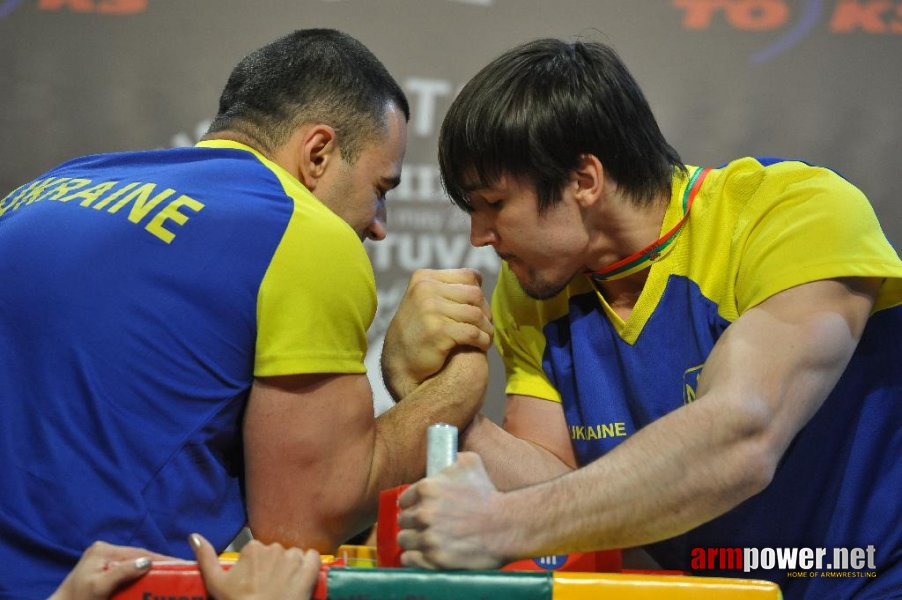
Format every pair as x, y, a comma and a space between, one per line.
534, 111
310, 75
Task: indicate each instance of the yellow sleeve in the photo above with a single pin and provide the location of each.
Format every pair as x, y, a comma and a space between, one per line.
805, 224
318, 296
519, 339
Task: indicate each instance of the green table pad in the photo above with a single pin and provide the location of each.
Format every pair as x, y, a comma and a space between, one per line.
346, 583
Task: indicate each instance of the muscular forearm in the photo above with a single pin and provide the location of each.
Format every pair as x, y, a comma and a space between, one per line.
453, 396
315, 486
768, 374
510, 461
651, 487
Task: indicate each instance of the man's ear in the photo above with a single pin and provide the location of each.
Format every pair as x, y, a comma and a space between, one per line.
587, 180
318, 149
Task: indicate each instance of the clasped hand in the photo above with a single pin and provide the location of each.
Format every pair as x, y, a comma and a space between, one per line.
453, 520
440, 311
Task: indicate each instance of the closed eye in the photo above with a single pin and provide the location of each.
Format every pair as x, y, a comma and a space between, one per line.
479, 201
494, 203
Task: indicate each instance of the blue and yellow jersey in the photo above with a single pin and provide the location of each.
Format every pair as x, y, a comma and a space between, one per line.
756, 227
141, 294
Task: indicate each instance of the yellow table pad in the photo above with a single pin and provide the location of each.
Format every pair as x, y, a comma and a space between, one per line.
592, 586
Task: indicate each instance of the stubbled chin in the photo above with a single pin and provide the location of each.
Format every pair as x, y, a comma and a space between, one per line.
520, 271
539, 290
534, 286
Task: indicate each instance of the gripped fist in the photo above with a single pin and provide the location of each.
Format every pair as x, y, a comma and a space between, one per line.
440, 311
451, 520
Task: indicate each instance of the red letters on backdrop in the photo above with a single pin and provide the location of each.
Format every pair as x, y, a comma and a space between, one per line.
112, 7
866, 16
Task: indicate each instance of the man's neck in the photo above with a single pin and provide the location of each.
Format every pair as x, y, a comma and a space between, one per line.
622, 294
232, 135
279, 155
626, 227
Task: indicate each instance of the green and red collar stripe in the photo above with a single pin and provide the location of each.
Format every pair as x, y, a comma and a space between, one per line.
643, 258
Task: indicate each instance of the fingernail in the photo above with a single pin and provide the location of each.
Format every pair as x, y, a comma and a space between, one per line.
142, 563
195, 540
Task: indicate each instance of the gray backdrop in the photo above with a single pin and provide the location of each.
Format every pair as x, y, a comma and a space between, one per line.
813, 79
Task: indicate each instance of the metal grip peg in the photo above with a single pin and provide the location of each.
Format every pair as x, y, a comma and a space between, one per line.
441, 447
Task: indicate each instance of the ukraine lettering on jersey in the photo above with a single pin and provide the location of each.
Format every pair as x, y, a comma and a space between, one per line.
597, 432
168, 208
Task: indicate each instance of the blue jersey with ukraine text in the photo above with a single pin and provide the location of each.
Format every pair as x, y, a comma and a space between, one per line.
755, 228
140, 294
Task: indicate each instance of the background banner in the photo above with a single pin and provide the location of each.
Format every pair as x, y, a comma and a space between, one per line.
819, 80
